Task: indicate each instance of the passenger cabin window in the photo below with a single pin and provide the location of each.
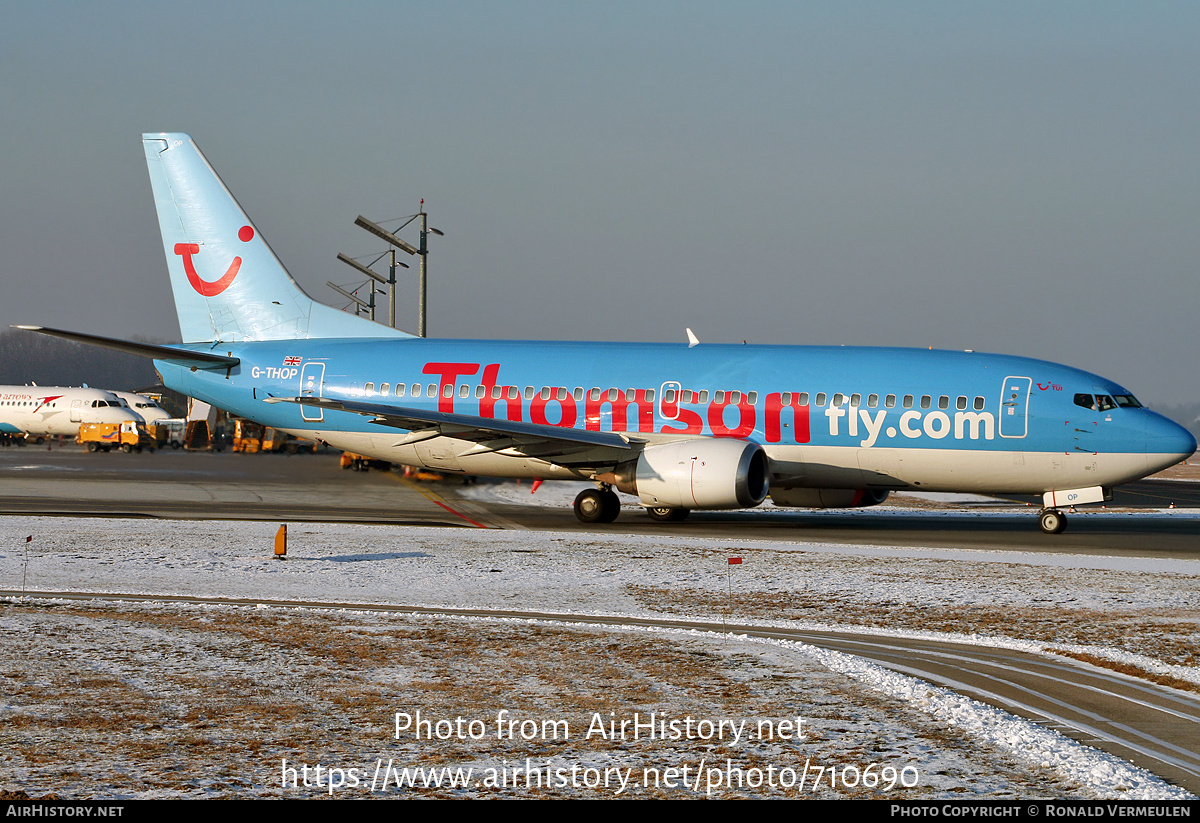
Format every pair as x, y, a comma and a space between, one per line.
856, 400
908, 401
820, 399
872, 401
578, 394
480, 391
464, 390
512, 392
385, 389
926, 401
943, 402
961, 403
890, 401
980, 403
837, 400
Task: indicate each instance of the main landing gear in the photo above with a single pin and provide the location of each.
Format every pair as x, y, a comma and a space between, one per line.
1052, 521
597, 505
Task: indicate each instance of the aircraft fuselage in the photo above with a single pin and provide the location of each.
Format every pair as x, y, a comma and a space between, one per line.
827, 417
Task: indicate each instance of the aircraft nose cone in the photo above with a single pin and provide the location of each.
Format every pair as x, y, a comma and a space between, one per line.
1167, 442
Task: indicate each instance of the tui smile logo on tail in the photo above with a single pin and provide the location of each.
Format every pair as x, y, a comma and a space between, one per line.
215, 287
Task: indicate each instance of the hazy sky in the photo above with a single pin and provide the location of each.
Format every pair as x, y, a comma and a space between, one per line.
1011, 177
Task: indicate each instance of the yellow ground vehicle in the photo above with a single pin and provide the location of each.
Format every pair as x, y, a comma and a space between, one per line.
247, 436
277, 441
127, 436
167, 433
362, 463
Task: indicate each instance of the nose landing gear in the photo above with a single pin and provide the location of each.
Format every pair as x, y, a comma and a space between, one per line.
1052, 521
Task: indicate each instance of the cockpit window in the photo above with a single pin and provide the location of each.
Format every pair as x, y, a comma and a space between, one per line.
1127, 400
1104, 402
1084, 400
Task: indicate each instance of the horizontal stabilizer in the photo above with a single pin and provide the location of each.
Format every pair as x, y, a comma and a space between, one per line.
168, 354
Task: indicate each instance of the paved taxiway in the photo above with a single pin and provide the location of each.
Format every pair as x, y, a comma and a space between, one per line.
1155, 728
312, 487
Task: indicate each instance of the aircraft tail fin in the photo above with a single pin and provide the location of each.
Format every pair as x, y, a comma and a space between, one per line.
228, 284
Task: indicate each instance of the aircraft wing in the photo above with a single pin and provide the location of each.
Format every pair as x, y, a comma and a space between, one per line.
552, 443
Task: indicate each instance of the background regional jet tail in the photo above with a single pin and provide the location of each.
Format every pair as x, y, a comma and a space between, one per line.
228, 284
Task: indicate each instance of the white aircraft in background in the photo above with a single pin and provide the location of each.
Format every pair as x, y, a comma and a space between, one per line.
44, 411
149, 411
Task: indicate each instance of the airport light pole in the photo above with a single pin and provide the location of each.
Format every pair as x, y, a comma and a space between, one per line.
374, 277
394, 242
359, 303
424, 252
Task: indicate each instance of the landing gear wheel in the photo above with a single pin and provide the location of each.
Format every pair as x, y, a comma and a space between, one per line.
1052, 521
589, 506
597, 506
666, 514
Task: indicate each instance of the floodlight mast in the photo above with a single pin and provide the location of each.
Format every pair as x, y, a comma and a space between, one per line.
394, 242
358, 301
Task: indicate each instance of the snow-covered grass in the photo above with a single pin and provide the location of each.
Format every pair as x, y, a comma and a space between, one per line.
170, 700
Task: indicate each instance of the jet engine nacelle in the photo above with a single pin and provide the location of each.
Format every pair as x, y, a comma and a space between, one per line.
696, 474
828, 498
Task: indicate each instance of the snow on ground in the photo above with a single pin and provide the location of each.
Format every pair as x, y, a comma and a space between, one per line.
238, 690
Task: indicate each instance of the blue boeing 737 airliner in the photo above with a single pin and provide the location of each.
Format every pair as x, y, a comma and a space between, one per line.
680, 426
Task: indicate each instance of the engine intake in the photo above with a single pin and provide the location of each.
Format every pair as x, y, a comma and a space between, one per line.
696, 474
